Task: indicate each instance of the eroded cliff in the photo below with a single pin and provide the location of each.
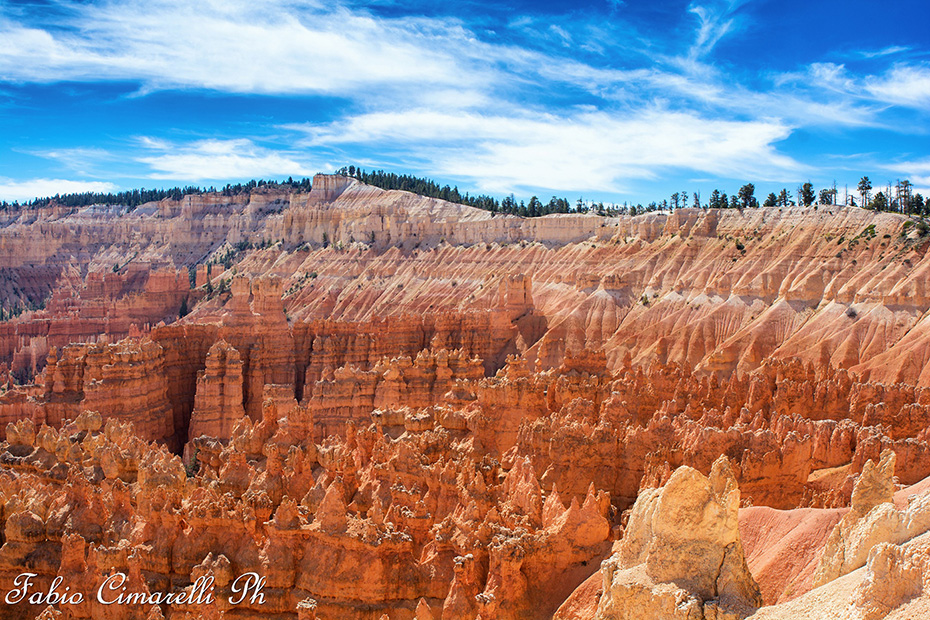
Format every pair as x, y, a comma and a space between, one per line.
391, 405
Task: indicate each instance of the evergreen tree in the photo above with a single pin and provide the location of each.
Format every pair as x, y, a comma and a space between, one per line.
747, 198
535, 207
771, 200
806, 195
865, 189
917, 205
508, 204
784, 198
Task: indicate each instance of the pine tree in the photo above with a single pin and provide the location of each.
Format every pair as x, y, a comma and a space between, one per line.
879, 203
806, 195
784, 198
865, 189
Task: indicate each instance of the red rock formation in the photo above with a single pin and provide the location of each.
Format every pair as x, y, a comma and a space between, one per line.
218, 400
391, 405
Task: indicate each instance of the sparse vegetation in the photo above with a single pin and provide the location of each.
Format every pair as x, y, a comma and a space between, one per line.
432, 189
194, 466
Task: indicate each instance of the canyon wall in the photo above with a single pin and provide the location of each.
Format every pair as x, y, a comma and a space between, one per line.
389, 405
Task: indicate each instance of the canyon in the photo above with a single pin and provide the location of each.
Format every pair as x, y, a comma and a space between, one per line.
390, 406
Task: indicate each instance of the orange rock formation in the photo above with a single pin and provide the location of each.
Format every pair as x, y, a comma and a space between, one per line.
391, 406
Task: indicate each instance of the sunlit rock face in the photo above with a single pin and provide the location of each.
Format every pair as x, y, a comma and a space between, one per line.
392, 406
681, 555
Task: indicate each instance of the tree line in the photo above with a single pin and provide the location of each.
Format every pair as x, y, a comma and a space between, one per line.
900, 197
431, 189
135, 197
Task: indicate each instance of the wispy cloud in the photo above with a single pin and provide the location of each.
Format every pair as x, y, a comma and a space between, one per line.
589, 150
615, 4
885, 51
267, 46
23, 190
906, 85
916, 171
715, 20
581, 102
85, 161
219, 160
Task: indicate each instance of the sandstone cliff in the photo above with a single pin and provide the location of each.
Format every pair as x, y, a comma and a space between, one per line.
393, 406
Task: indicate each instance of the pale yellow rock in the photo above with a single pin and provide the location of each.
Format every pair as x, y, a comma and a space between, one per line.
894, 585
873, 519
681, 556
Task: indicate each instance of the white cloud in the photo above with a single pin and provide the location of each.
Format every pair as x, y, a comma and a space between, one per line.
491, 111
219, 160
715, 21
590, 150
301, 46
11, 190
906, 85
902, 85
268, 46
81, 160
885, 51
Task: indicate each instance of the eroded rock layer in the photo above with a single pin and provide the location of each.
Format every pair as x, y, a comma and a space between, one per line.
388, 405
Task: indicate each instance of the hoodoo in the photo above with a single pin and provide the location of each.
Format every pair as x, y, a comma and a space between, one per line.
384, 405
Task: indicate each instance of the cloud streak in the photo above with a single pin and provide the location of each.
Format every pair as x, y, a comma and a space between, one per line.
540, 102
236, 46
23, 190
219, 160
589, 150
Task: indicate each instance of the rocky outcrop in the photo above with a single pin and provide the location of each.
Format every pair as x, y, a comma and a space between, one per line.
893, 584
218, 400
840, 287
389, 405
681, 555
871, 520
784, 547
125, 381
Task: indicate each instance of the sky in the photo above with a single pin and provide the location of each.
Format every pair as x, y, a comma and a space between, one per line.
607, 100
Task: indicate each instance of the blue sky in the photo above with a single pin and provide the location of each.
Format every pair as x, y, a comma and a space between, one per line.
607, 100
